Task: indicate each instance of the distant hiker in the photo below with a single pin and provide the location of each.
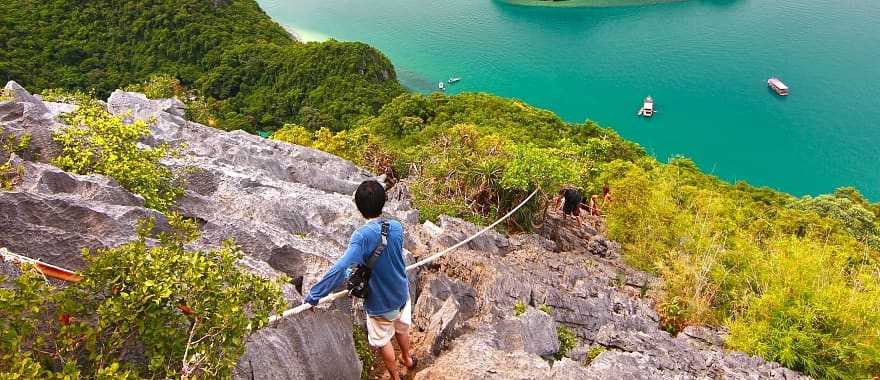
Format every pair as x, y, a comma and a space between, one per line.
389, 313
571, 206
594, 206
606, 195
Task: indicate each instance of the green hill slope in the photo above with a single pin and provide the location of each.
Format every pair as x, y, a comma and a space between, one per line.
254, 74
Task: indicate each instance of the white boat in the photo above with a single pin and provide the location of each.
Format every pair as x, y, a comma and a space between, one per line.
778, 86
647, 109
453, 80
442, 86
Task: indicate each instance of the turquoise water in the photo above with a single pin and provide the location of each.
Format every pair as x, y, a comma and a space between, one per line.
705, 63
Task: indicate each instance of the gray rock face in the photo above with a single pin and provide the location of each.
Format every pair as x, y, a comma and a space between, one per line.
311, 345
571, 237
26, 115
533, 332
487, 354
455, 230
586, 294
51, 215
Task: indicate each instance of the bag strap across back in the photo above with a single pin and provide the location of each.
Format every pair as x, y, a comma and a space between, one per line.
379, 248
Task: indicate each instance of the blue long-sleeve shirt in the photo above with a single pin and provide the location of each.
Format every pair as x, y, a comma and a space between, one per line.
389, 287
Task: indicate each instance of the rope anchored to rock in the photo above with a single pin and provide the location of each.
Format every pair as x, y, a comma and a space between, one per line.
340, 294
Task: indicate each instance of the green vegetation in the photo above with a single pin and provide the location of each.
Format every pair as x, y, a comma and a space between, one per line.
519, 309
98, 142
473, 156
10, 144
594, 351
546, 309
366, 354
796, 280
247, 69
567, 341
141, 311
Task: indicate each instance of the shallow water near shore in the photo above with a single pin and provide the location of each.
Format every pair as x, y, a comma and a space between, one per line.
705, 62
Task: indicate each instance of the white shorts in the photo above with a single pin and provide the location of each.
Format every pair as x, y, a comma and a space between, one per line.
380, 330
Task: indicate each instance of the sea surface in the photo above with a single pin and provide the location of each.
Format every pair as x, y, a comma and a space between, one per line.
705, 63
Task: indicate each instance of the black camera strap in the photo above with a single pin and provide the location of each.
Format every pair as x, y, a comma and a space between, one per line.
379, 248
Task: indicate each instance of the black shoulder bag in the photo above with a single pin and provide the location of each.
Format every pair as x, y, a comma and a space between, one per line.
359, 282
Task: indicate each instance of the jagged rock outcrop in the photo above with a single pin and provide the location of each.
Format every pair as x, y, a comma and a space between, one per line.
51, 215
290, 209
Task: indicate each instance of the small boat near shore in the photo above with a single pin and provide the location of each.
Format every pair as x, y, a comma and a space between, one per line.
647, 109
777, 85
453, 80
442, 86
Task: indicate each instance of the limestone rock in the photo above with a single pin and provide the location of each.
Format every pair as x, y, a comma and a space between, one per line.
311, 345
533, 332
51, 215
456, 230
482, 355
442, 324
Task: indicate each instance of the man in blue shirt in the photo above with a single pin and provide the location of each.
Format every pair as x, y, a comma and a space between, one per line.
389, 313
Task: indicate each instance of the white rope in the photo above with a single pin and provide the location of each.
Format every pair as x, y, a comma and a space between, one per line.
337, 295
6, 254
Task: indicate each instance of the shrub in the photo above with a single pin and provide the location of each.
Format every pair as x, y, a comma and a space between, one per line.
159, 86
98, 142
567, 341
545, 309
10, 173
519, 309
141, 310
594, 352
364, 352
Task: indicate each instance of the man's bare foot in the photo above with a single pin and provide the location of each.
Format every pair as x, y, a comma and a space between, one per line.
410, 363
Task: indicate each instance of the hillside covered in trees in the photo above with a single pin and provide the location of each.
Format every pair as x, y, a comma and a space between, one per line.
246, 70
794, 280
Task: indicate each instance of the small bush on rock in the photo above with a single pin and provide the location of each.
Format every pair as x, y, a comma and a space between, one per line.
594, 352
567, 341
519, 309
364, 352
141, 311
98, 142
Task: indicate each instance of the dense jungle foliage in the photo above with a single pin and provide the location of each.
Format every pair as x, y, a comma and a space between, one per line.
243, 67
142, 310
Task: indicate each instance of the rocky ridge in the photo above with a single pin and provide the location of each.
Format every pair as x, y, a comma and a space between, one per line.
290, 209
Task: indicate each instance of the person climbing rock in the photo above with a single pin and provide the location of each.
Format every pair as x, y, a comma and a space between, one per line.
387, 304
572, 200
594, 206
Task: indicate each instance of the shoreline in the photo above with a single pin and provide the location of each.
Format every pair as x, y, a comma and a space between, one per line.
305, 35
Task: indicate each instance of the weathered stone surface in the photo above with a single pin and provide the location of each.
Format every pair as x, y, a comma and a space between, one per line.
312, 345
455, 230
51, 215
484, 355
442, 325
27, 115
533, 332
571, 237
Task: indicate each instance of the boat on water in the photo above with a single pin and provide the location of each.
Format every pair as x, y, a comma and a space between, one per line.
453, 80
647, 109
442, 86
778, 86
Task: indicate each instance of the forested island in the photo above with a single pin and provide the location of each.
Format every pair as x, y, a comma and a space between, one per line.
794, 279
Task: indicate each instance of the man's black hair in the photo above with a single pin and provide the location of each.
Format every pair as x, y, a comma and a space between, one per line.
370, 198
